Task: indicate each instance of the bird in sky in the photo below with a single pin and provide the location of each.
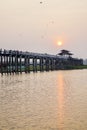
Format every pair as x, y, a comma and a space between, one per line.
41, 2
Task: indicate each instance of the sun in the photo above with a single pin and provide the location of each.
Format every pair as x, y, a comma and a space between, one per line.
59, 43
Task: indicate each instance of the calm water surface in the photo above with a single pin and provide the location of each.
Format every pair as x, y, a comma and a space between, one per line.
44, 101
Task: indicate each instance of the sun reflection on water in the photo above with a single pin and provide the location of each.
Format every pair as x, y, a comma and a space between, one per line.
61, 109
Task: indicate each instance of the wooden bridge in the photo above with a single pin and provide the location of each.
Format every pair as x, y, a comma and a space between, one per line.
12, 61
18, 61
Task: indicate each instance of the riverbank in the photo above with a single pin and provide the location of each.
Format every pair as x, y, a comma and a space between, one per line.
64, 67
45, 68
75, 67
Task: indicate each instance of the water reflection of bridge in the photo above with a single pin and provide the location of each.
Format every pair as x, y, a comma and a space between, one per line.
18, 61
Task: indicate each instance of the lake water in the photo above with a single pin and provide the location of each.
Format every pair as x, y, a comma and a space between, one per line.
55, 100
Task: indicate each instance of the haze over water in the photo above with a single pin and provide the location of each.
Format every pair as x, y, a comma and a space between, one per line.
55, 100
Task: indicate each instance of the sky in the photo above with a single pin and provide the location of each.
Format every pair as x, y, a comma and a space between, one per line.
37, 26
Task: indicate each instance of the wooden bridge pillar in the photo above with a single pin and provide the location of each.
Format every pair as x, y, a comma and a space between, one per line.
16, 64
7, 64
56, 64
35, 64
10, 67
28, 64
20, 63
41, 64
25, 64
51, 64
4, 66
12, 63
47, 64
1, 64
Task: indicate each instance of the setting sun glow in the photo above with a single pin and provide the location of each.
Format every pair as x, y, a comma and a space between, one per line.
59, 43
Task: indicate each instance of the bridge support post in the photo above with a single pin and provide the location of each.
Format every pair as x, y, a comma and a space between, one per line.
35, 64
1, 65
16, 64
7, 64
47, 64
12, 64
10, 67
41, 64
25, 64
20, 63
28, 64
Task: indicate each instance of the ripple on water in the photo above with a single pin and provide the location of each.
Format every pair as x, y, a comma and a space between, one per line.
44, 101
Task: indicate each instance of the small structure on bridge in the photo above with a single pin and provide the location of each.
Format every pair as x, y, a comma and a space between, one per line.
65, 54
67, 59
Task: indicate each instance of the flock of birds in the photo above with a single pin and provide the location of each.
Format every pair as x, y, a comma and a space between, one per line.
52, 22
